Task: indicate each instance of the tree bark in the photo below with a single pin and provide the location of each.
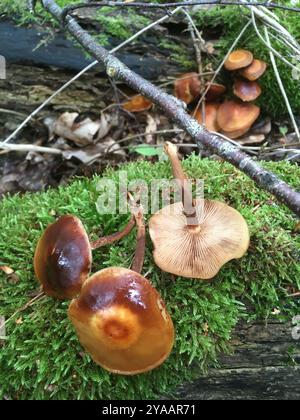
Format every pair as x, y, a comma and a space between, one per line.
263, 366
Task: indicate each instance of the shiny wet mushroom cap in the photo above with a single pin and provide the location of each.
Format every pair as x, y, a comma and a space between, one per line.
253, 72
187, 87
236, 116
214, 92
63, 258
246, 91
211, 111
120, 318
238, 59
122, 322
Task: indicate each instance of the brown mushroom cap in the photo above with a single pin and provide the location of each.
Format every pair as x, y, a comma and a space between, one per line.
198, 251
238, 59
63, 258
215, 92
246, 91
255, 70
137, 103
211, 111
236, 134
187, 87
236, 116
122, 321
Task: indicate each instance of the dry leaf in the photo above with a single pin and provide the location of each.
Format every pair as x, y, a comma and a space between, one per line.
276, 311
151, 127
137, 103
19, 321
89, 154
252, 139
7, 270
84, 132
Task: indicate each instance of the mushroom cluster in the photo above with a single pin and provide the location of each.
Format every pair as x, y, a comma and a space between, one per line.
231, 117
120, 318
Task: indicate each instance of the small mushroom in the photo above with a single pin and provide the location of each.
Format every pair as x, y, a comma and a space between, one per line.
254, 71
187, 87
137, 103
238, 59
63, 256
215, 91
121, 319
195, 238
236, 118
211, 111
246, 91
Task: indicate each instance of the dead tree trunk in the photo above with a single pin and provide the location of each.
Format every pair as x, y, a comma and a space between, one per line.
263, 366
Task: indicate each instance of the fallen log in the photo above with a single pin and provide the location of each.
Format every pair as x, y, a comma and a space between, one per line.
263, 366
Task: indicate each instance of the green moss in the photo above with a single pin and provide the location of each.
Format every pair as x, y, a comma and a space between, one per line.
231, 21
42, 358
179, 54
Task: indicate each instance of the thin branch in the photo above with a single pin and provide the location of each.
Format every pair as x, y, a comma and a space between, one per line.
175, 110
270, 48
121, 4
29, 148
280, 84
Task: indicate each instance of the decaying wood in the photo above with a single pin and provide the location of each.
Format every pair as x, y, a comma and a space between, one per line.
263, 366
175, 110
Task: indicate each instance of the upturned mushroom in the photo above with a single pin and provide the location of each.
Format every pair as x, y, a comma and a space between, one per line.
236, 118
238, 59
195, 238
63, 256
246, 91
253, 72
120, 318
187, 87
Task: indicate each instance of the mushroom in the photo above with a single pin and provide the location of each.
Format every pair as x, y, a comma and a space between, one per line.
236, 118
195, 238
121, 319
211, 110
247, 91
137, 103
63, 256
238, 59
214, 92
187, 87
254, 71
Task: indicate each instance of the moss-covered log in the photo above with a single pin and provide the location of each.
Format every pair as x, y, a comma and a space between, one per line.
41, 356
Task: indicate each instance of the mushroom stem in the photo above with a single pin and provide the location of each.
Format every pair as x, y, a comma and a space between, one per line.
139, 256
183, 182
107, 240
